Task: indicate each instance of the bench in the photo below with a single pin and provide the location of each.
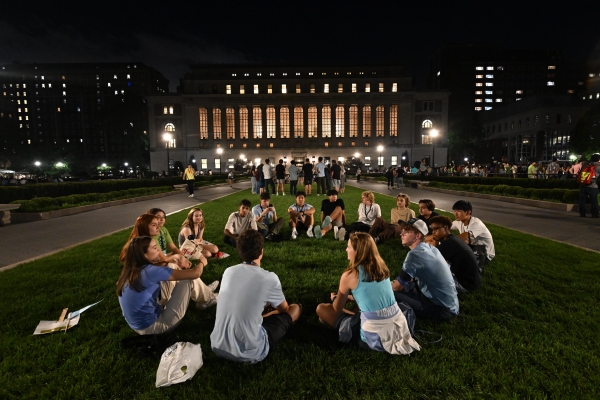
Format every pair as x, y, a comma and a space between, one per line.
5, 213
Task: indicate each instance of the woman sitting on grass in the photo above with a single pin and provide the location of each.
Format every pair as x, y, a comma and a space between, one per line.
193, 229
164, 240
378, 324
150, 304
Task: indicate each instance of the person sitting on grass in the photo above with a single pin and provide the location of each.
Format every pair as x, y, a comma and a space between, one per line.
239, 222
266, 217
473, 232
301, 216
245, 330
460, 257
193, 229
379, 323
382, 231
368, 211
164, 240
332, 215
154, 298
425, 282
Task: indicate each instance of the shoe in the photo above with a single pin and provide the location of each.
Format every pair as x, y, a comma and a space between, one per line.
213, 286
326, 222
310, 233
218, 254
211, 302
294, 235
335, 232
317, 232
342, 234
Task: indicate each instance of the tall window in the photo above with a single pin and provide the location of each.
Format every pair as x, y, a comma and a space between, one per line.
230, 122
284, 122
353, 120
312, 122
394, 120
271, 123
298, 122
243, 122
379, 121
339, 121
216, 123
326, 121
257, 122
366, 121
203, 122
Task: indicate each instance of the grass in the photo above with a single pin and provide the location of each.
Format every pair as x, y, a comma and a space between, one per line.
531, 330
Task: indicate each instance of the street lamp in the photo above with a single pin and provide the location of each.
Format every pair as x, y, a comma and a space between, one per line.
433, 133
167, 138
380, 160
219, 152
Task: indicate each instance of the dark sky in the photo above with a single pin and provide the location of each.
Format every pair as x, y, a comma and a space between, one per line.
170, 35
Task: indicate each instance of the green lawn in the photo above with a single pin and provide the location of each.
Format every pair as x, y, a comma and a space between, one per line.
531, 330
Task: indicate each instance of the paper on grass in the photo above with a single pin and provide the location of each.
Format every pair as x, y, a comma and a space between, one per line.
45, 327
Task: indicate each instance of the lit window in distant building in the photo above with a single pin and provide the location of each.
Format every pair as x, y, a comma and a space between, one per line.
230, 122
326, 121
339, 121
298, 88
255, 89
283, 88
312, 122
216, 123
312, 88
367, 87
354, 88
394, 120
381, 87
284, 122
366, 121
551, 66
243, 122
353, 121
478, 76
478, 84
227, 89
550, 83
326, 88
479, 68
203, 122
257, 122
379, 121
394, 87
298, 122
489, 84
242, 89
270, 89
271, 123
340, 88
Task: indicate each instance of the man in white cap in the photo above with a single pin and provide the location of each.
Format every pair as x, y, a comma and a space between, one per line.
425, 282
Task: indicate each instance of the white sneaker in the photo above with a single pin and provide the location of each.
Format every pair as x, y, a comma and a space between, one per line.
211, 302
309, 232
341, 234
213, 286
294, 234
335, 232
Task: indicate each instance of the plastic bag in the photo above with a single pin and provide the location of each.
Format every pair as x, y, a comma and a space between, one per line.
178, 364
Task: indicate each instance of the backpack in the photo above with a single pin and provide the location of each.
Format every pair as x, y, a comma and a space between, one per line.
587, 174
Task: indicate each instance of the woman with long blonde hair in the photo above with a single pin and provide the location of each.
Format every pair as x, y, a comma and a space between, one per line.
379, 323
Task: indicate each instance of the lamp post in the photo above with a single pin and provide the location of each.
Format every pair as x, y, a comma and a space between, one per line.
219, 152
167, 138
433, 134
379, 149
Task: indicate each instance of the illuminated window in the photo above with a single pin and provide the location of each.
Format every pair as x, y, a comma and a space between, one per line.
298, 88
367, 87
271, 123
478, 92
381, 87
203, 122
283, 88
394, 120
353, 121
312, 122
549, 67
242, 89
216, 123
340, 88
227, 89
312, 88
478, 76
257, 122
269, 89
284, 122
427, 124
339, 121
326, 88
550, 83
366, 121
354, 88
243, 122
379, 121
479, 84
326, 121
255, 89
489, 84
230, 122
298, 122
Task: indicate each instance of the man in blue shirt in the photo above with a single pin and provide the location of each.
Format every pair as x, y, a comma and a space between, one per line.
434, 294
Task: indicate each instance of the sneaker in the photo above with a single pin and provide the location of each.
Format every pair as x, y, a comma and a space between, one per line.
326, 222
213, 286
342, 234
294, 235
310, 233
211, 302
335, 232
317, 232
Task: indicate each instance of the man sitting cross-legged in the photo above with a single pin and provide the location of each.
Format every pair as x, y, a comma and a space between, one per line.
473, 232
463, 264
332, 215
266, 217
243, 332
301, 216
434, 294
239, 222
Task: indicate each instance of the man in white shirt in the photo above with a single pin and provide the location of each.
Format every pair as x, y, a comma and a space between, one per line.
473, 232
239, 222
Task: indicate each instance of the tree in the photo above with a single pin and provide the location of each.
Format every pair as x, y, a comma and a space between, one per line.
585, 138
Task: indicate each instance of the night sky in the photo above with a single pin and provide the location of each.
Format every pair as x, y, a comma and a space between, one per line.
170, 37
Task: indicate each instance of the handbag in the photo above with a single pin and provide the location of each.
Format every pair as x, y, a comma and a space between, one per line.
191, 250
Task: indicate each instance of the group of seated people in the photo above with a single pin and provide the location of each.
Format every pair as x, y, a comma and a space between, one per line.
253, 314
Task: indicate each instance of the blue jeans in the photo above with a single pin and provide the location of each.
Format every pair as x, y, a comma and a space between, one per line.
584, 192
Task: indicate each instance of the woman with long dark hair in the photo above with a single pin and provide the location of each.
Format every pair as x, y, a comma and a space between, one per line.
379, 323
193, 229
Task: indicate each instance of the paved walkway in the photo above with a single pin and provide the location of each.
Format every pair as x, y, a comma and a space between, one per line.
27, 241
